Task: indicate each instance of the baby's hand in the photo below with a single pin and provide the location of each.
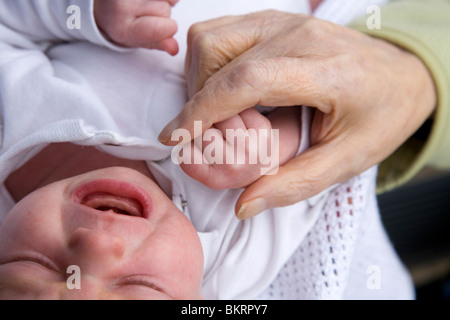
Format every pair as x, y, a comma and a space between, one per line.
138, 23
230, 161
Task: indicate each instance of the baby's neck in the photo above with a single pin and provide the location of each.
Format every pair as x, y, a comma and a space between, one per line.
61, 161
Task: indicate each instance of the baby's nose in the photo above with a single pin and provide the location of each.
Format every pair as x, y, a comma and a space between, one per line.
96, 247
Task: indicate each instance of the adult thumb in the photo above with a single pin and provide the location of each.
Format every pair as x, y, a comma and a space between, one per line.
305, 176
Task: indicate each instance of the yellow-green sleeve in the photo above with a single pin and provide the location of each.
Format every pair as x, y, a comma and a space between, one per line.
422, 27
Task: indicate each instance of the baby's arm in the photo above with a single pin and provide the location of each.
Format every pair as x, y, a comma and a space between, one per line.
49, 21
131, 23
219, 170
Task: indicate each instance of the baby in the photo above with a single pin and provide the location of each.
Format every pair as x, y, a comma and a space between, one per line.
86, 183
107, 215
127, 238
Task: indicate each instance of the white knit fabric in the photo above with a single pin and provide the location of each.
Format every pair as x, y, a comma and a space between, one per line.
339, 256
320, 267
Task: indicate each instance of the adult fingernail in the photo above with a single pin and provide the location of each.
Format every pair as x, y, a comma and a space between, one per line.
166, 133
252, 208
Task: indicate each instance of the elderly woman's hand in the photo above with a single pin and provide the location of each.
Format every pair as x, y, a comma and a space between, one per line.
369, 95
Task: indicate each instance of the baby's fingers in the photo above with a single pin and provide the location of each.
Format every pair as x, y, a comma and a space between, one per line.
206, 161
153, 33
168, 45
223, 161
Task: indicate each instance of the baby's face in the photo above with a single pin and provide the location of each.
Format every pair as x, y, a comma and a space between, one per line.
126, 237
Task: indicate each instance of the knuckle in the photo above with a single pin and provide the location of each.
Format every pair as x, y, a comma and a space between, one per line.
204, 49
318, 29
200, 38
195, 29
251, 73
299, 185
301, 188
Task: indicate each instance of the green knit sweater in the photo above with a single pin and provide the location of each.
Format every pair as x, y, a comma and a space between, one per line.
422, 27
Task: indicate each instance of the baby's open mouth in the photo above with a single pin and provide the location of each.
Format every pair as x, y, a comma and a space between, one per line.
104, 201
114, 196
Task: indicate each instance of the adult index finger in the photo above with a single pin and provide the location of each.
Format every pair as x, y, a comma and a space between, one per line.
274, 82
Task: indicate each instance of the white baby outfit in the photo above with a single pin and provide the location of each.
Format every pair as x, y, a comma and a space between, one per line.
90, 92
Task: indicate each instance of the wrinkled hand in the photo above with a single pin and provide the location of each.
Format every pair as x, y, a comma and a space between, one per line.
138, 23
369, 95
